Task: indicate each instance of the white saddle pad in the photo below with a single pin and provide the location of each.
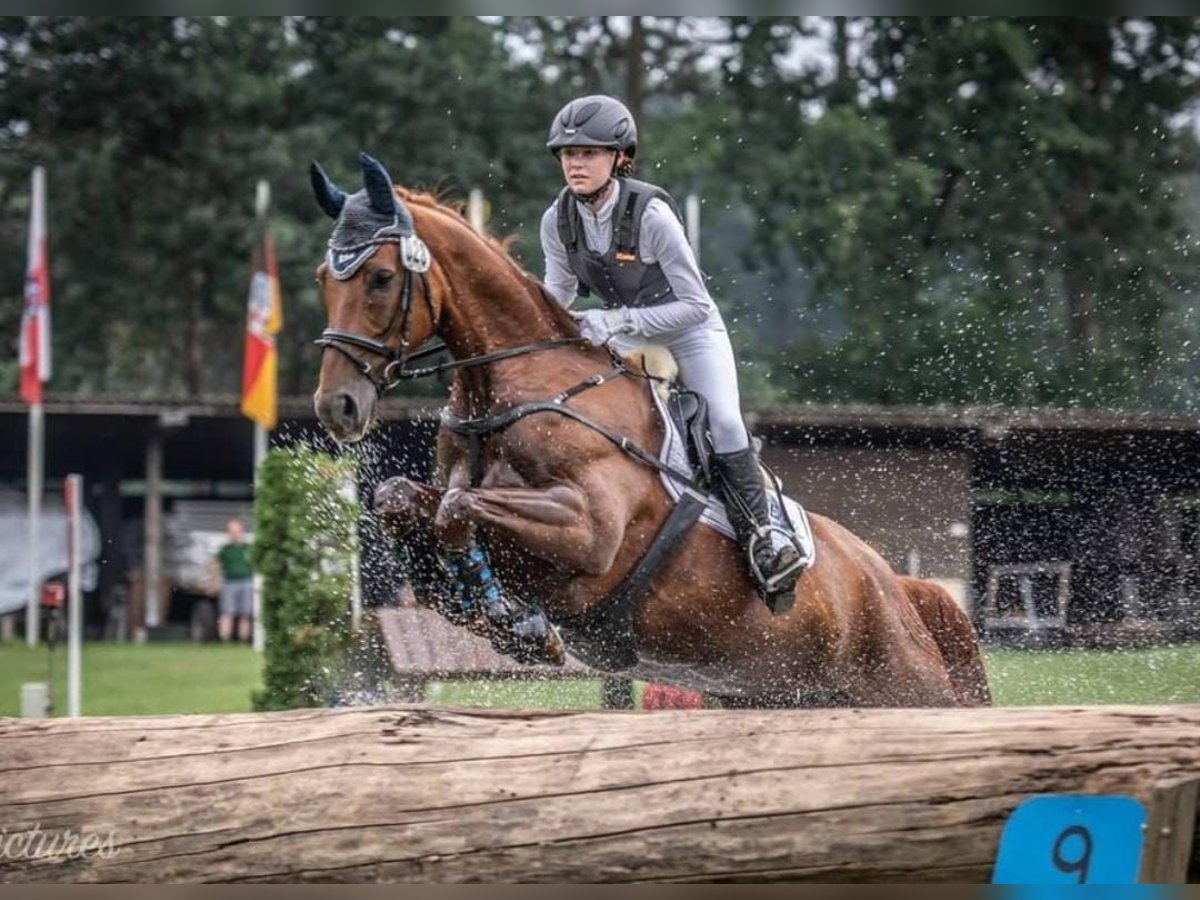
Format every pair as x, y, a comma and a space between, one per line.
674, 454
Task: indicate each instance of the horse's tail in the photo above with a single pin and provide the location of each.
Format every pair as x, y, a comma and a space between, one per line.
955, 636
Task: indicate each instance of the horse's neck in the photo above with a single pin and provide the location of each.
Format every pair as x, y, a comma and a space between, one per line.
501, 316
495, 307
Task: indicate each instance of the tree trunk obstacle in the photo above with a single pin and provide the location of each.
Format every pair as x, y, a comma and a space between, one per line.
433, 794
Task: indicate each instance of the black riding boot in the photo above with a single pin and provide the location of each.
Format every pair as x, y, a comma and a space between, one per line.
746, 504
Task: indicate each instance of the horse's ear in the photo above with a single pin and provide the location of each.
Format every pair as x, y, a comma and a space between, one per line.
330, 198
380, 191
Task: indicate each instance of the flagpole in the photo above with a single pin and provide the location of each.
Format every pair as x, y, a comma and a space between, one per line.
262, 204
35, 369
33, 613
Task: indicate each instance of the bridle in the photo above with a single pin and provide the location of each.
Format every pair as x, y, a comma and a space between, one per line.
415, 258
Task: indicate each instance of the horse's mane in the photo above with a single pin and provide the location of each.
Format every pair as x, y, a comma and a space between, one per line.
500, 246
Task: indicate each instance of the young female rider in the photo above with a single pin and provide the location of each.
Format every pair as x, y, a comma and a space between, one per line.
621, 239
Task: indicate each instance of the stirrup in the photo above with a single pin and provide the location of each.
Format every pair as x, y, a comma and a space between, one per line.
776, 588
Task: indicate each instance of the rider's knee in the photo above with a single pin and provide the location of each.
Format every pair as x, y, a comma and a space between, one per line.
727, 429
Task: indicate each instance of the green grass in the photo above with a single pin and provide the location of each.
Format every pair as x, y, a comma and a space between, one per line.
1087, 677
138, 679
131, 679
569, 694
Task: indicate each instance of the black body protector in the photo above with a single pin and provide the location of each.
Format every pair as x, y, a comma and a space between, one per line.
618, 276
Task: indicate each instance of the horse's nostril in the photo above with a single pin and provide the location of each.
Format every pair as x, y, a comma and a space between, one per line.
349, 409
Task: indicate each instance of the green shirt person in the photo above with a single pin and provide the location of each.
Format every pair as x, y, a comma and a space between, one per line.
235, 602
234, 559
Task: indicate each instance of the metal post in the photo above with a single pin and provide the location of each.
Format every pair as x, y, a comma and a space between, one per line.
692, 217
258, 634
33, 610
74, 498
475, 213
153, 538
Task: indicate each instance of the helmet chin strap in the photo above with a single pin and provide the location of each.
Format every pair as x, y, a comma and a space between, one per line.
593, 196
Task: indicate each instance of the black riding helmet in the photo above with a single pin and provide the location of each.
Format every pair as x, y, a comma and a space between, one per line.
593, 121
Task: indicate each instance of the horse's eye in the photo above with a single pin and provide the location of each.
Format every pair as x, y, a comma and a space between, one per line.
380, 280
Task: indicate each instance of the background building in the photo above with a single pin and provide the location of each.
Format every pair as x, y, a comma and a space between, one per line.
1047, 526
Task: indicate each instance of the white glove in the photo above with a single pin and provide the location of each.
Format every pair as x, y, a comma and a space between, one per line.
601, 325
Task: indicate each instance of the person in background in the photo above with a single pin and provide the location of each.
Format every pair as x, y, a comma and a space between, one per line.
235, 604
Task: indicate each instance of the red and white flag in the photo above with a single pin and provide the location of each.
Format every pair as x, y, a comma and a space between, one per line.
35, 321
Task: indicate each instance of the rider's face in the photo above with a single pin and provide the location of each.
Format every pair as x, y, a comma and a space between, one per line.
586, 169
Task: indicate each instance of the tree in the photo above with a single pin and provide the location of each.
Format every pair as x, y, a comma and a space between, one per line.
153, 131
972, 194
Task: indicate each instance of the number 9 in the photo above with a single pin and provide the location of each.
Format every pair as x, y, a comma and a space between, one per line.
1078, 866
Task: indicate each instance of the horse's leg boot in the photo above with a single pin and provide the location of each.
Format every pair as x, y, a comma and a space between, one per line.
775, 572
519, 631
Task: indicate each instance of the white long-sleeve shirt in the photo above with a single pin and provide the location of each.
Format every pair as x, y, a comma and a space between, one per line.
661, 241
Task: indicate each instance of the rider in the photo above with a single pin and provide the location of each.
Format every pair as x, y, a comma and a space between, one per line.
621, 239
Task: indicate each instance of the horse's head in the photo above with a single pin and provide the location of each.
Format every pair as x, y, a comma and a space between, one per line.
377, 296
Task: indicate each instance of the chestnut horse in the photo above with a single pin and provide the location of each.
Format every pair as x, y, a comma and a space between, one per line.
565, 513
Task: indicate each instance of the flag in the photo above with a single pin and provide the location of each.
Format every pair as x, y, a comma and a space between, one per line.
34, 352
264, 317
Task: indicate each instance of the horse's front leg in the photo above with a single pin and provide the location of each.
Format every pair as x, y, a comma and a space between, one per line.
403, 504
456, 579
566, 524
406, 510
472, 595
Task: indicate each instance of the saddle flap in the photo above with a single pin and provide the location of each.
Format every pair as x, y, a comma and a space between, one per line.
689, 411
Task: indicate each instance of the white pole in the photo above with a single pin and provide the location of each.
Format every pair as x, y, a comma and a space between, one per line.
260, 447
692, 216
475, 209
258, 634
152, 546
262, 198
262, 205
33, 611
74, 496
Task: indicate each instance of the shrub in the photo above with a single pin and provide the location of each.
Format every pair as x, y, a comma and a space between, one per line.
305, 548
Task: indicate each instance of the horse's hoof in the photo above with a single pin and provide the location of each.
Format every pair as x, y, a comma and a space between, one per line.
532, 640
395, 506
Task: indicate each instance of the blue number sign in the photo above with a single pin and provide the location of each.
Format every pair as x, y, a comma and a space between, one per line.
1072, 839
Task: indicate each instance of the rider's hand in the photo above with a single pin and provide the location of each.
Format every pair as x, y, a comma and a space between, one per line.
601, 325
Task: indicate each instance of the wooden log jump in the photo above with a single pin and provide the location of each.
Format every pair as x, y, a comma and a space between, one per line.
431, 794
